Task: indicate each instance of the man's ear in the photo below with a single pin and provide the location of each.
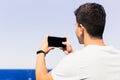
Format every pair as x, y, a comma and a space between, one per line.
81, 34
81, 28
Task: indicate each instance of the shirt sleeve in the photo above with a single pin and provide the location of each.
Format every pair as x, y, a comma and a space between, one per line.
67, 69
58, 73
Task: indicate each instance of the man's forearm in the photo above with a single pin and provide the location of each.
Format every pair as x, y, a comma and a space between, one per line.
41, 69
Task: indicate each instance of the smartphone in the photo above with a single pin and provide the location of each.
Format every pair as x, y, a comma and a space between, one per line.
56, 41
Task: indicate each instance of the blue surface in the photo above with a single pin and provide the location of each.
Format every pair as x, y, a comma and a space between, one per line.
17, 74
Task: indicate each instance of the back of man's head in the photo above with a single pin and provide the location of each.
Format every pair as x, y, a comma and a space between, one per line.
93, 17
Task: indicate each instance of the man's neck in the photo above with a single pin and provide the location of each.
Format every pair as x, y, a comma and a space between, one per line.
94, 41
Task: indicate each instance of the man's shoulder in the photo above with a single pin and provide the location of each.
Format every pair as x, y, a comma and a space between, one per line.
86, 49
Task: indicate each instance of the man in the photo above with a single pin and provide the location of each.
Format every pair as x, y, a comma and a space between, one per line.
96, 61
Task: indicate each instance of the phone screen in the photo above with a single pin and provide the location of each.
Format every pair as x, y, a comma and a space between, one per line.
56, 41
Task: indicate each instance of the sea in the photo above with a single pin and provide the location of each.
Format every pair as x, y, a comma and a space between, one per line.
17, 74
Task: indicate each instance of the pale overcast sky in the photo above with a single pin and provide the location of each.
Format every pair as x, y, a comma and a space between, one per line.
24, 24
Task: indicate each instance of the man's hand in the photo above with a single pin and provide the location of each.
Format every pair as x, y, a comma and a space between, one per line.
68, 48
45, 46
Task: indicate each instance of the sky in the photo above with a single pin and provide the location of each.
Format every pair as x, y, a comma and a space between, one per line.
25, 23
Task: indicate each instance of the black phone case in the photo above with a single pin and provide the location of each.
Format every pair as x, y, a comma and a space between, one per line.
56, 41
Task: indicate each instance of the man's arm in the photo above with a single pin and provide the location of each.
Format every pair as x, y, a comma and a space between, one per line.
41, 70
